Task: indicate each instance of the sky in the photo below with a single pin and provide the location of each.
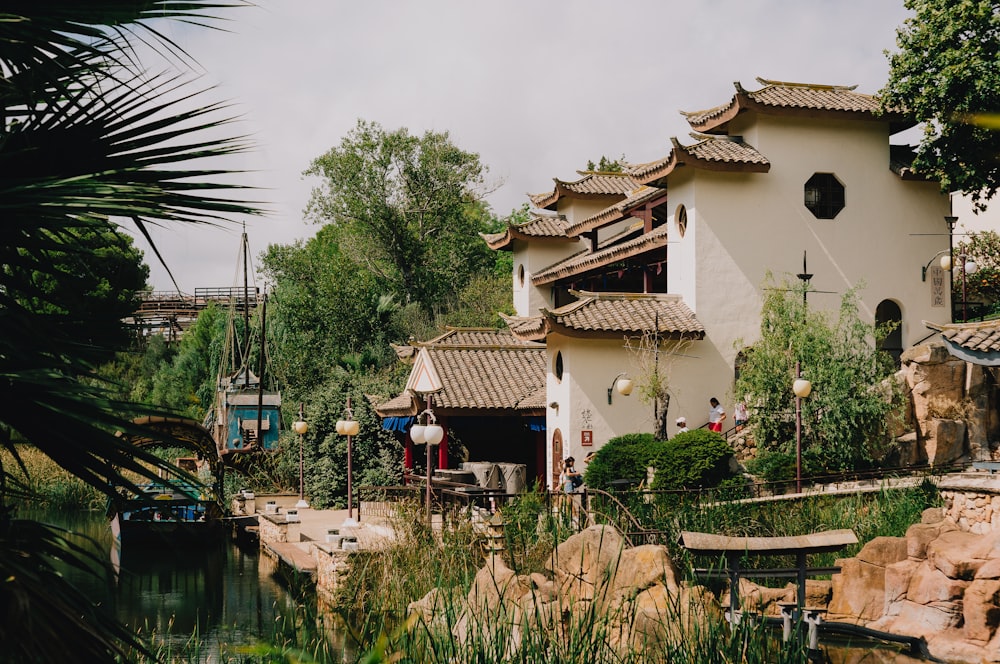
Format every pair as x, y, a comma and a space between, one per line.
535, 87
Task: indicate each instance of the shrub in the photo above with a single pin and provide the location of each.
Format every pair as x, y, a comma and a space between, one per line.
698, 458
623, 458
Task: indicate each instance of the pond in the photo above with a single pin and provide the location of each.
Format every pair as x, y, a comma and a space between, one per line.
203, 604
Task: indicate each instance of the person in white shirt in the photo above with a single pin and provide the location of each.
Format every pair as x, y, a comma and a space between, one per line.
682, 425
716, 415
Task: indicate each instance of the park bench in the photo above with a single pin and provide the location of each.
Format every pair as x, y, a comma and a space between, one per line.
991, 466
735, 548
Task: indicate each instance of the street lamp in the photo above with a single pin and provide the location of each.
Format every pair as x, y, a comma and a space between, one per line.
802, 388
427, 434
968, 267
623, 384
349, 427
300, 427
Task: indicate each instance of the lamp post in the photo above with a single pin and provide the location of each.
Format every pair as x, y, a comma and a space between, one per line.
968, 267
349, 427
300, 427
427, 434
802, 388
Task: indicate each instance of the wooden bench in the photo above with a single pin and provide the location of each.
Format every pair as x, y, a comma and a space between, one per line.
991, 466
735, 548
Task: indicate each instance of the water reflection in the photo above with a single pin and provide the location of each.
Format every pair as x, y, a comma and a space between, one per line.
222, 594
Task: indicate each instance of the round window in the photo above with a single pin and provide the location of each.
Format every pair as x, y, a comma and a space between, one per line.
681, 218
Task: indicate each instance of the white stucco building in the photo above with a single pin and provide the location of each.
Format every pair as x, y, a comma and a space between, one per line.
772, 175
678, 250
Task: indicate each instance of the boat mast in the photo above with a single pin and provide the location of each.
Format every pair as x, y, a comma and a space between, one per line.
246, 308
260, 377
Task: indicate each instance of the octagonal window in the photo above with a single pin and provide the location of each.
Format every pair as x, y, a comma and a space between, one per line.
824, 195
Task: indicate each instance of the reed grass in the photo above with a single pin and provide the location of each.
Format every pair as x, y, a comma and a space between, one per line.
45, 484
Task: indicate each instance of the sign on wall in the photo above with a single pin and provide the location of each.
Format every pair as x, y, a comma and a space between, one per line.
586, 438
938, 283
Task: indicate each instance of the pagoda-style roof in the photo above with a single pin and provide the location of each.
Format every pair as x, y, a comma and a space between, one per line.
610, 315
978, 343
711, 153
640, 197
610, 251
539, 227
795, 99
479, 370
593, 184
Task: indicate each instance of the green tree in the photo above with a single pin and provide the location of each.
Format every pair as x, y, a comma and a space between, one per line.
946, 74
983, 285
324, 308
89, 281
86, 135
188, 383
605, 165
845, 418
407, 209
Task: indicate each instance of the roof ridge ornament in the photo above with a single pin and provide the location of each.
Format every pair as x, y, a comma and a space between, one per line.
789, 84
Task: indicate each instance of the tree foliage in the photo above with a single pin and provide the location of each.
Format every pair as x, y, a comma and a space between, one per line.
984, 285
405, 208
625, 457
946, 74
694, 459
86, 281
845, 418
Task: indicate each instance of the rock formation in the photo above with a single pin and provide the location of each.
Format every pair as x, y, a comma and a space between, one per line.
947, 415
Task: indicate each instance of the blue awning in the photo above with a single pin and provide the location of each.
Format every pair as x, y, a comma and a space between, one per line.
536, 423
400, 424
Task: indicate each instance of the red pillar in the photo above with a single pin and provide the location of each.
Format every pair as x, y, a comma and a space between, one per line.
443, 449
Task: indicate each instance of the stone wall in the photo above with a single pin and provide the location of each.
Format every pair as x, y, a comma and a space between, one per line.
950, 411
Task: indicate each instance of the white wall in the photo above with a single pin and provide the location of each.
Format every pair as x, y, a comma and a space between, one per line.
528, 299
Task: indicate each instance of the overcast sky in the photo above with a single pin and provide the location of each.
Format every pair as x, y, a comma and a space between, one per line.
536, 87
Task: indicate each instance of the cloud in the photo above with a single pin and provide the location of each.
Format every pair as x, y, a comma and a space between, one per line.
536, 88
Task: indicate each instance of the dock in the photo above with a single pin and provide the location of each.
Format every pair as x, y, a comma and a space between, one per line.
310, 542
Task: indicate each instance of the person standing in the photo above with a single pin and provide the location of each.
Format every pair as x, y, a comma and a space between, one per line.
682, 425
740, 415
570, 479
716, 415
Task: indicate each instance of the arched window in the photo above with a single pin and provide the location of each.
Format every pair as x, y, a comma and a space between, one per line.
892, 343
557, 366
681, 219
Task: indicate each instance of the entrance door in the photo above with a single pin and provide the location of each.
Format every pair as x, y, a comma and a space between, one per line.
556, 457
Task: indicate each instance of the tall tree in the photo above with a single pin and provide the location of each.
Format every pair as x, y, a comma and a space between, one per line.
405, 208
946, 74
90, 280
86, 135
845, 417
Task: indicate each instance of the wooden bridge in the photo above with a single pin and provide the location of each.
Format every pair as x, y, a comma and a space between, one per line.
171, 313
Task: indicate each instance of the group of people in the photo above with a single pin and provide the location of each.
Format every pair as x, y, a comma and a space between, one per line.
717, 415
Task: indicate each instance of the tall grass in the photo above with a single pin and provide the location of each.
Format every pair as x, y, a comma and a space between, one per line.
47, 485
386, 582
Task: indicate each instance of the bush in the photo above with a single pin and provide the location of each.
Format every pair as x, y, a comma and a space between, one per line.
773, 466
623, 458
698, 458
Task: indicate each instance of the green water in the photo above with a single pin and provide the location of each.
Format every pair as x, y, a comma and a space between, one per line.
203, 604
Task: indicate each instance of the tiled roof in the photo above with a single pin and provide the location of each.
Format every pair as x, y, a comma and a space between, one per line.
528, 328
604, 314
613, 250
901, 162
591, 184
496, 378
617, 211
797, 98
982, 337
628, 312
713, 153
480, 369
539, 226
